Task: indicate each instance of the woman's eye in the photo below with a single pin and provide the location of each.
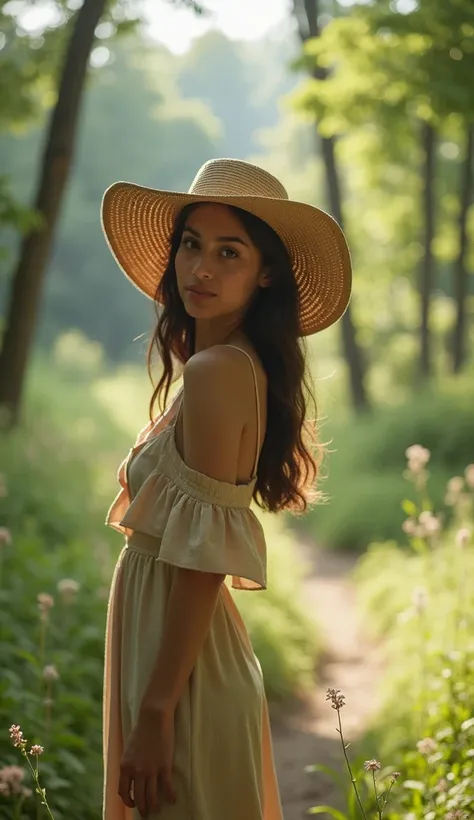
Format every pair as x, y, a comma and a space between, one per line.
229, 253
189, 243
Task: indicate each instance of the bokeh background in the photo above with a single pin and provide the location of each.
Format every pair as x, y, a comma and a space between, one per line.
364, 109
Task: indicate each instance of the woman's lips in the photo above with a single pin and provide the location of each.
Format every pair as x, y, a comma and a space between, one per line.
200, 294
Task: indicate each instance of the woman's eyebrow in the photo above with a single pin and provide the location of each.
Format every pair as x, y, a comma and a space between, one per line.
219, 238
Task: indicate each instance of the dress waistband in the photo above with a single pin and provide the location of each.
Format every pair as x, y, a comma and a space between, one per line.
146, 544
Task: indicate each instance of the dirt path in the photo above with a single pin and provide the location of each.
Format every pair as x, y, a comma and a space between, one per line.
306, 734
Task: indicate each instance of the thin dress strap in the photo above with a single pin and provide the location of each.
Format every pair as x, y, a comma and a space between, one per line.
257, 455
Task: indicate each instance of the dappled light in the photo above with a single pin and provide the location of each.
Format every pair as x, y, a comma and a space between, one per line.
361, 621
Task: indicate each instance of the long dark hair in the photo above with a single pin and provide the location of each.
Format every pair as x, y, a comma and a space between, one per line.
288, 461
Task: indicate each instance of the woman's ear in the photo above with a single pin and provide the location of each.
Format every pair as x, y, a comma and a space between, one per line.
264, 279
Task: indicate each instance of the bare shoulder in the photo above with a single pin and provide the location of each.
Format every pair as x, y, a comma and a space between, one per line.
215, 399
220, 370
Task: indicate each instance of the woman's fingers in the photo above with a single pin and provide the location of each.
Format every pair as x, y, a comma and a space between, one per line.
147, 790
139, 793
125, 786
152, 794
168, 788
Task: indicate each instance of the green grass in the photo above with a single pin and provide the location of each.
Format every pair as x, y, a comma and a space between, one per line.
418, 603
363, 473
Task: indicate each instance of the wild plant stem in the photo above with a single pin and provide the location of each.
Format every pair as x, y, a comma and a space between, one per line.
377, 803
348, 764
386, 796
42, 792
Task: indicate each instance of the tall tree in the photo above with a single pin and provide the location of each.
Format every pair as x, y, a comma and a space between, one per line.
428, 141
439, 35
460, 270
406, 78
307, 17
36, 245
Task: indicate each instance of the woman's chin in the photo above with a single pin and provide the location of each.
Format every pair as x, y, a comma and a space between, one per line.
199, 310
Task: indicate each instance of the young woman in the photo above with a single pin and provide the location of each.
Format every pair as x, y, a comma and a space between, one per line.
238, 274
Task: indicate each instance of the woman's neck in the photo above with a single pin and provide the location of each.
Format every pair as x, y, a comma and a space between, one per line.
204, 340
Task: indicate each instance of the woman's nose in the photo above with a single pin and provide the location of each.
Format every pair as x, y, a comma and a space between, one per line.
202, 268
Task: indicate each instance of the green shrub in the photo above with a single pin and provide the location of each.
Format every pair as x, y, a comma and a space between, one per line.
64, 715
284, 636
366, 462
421, 602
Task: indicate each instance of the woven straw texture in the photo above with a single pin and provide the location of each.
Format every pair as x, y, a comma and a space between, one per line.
138, 223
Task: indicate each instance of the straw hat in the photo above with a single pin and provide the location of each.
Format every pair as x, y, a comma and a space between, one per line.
138, 223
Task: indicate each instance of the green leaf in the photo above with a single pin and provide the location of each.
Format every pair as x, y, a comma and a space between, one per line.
332, 773
27, 656
70, 740
72, 762
409, 508
338, 815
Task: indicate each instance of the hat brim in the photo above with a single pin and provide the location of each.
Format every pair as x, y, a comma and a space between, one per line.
138, 223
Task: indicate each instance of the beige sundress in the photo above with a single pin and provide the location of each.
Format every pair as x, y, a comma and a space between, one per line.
173, 516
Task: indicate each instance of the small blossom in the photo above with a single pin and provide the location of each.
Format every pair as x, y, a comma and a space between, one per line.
45, 603
430, 523
442, 786
417, 458
337, 699
395, 776
463, 536
419, 599
36, 750
427, 746
16, 736
50, 673
5, 536
68, 589
409, 526
469, 475
457, 814
455, 485
372, 765
417, 453
12, 777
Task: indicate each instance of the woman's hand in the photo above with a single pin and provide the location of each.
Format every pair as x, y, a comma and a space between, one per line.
147, 763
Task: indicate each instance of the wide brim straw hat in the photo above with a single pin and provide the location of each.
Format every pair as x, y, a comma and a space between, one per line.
138, 223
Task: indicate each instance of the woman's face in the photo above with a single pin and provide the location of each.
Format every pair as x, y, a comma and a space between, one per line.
218, 268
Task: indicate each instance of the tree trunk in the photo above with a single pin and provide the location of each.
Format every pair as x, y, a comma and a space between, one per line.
36, 246
308, 26
460, 272
426, 268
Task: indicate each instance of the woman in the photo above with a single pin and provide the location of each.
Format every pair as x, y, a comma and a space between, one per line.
239, 273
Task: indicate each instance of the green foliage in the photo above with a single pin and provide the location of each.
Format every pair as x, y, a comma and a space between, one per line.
421, 602
284, 636
70, 726
365, 464
389, 64
375, 76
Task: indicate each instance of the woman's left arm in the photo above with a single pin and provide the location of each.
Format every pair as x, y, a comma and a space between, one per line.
212, 428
